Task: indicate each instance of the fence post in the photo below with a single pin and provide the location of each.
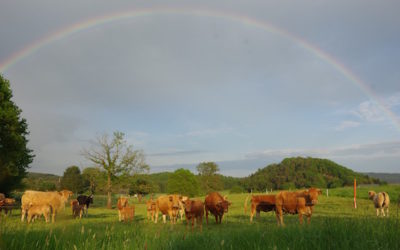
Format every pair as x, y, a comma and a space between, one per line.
355, 193
327, 192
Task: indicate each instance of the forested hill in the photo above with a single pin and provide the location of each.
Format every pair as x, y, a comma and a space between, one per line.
299, 172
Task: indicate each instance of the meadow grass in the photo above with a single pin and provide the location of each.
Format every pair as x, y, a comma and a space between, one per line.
335, 225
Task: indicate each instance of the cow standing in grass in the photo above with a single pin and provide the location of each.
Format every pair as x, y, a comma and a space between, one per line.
216, 205
151, 209
85, 201
168, 205
194, 209
381, 201
55, 199
265, 203
300, 202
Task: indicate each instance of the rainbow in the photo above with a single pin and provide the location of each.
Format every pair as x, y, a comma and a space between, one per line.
229, 16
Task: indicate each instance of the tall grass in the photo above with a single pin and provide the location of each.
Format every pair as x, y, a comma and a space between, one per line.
334, 225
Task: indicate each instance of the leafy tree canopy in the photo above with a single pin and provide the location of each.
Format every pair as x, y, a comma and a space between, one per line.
73, 180
15, 156
182, 181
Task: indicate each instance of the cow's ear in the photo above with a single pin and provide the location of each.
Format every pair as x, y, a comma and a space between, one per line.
170, 198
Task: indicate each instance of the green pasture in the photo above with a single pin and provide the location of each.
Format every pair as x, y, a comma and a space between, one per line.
335, 225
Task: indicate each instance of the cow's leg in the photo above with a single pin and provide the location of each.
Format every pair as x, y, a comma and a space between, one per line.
53, 219
119, 215
192, 223
200, 222
164, 218
207, 215
301, 218
377, 212
216, 218
383, 212
387, 211
156, 219
23, 213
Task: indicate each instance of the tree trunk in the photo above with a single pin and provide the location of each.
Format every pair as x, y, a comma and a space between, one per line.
109, 203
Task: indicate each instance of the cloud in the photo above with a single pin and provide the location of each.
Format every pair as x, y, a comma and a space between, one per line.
369, 111
347, 124
382, 149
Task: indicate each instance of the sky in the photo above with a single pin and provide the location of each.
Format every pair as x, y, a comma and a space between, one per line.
241, 83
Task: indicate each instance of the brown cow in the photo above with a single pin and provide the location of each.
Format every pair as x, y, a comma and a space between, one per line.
300, 202
128, 212
77, 209
168, 205
217, 205
265, 203
55, 199
194, 209
8, 205
122, 202
151, 209
72, 203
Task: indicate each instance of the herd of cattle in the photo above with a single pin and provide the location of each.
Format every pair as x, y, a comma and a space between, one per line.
35, 204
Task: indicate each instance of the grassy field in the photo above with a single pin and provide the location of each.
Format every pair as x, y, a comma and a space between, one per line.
334, 225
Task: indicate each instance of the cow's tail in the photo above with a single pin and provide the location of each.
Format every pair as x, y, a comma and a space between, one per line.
245, 204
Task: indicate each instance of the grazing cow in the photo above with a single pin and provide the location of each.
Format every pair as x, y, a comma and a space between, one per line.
85, 201
168, 205
381, 201
217, 205
151, 209
127, 212
265, 203
122, 202
35, 211
300, 202
194, 209
55, 199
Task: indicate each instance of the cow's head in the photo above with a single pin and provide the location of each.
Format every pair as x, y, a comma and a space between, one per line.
187, 204
90, 198
175, 204
122, 202
312, 196
371, 194
223, 205
66, 194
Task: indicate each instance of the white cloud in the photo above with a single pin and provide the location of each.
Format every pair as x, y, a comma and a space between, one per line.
369, 111
347, 124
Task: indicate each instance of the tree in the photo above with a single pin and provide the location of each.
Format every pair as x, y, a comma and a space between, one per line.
15, 156
115, 157
93, 178
208, 175
182, 181
73, 180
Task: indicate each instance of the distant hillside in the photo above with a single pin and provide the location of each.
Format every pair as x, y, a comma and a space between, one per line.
40, 181
389, 178
299, 172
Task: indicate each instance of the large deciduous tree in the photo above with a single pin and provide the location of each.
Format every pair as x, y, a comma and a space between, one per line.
208, 175
115, 157
15, 156
73, 180
182, 181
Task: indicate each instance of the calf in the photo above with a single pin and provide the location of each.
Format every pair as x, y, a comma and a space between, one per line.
194, 209
85, 201
77, 209
35, 211
127, 212
265, 203
217, 205
121, 204
300, 202
381, 201
151, 209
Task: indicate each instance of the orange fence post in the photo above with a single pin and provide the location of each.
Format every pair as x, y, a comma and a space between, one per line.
355, 193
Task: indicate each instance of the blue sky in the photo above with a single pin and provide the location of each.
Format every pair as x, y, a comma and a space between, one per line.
191, 88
